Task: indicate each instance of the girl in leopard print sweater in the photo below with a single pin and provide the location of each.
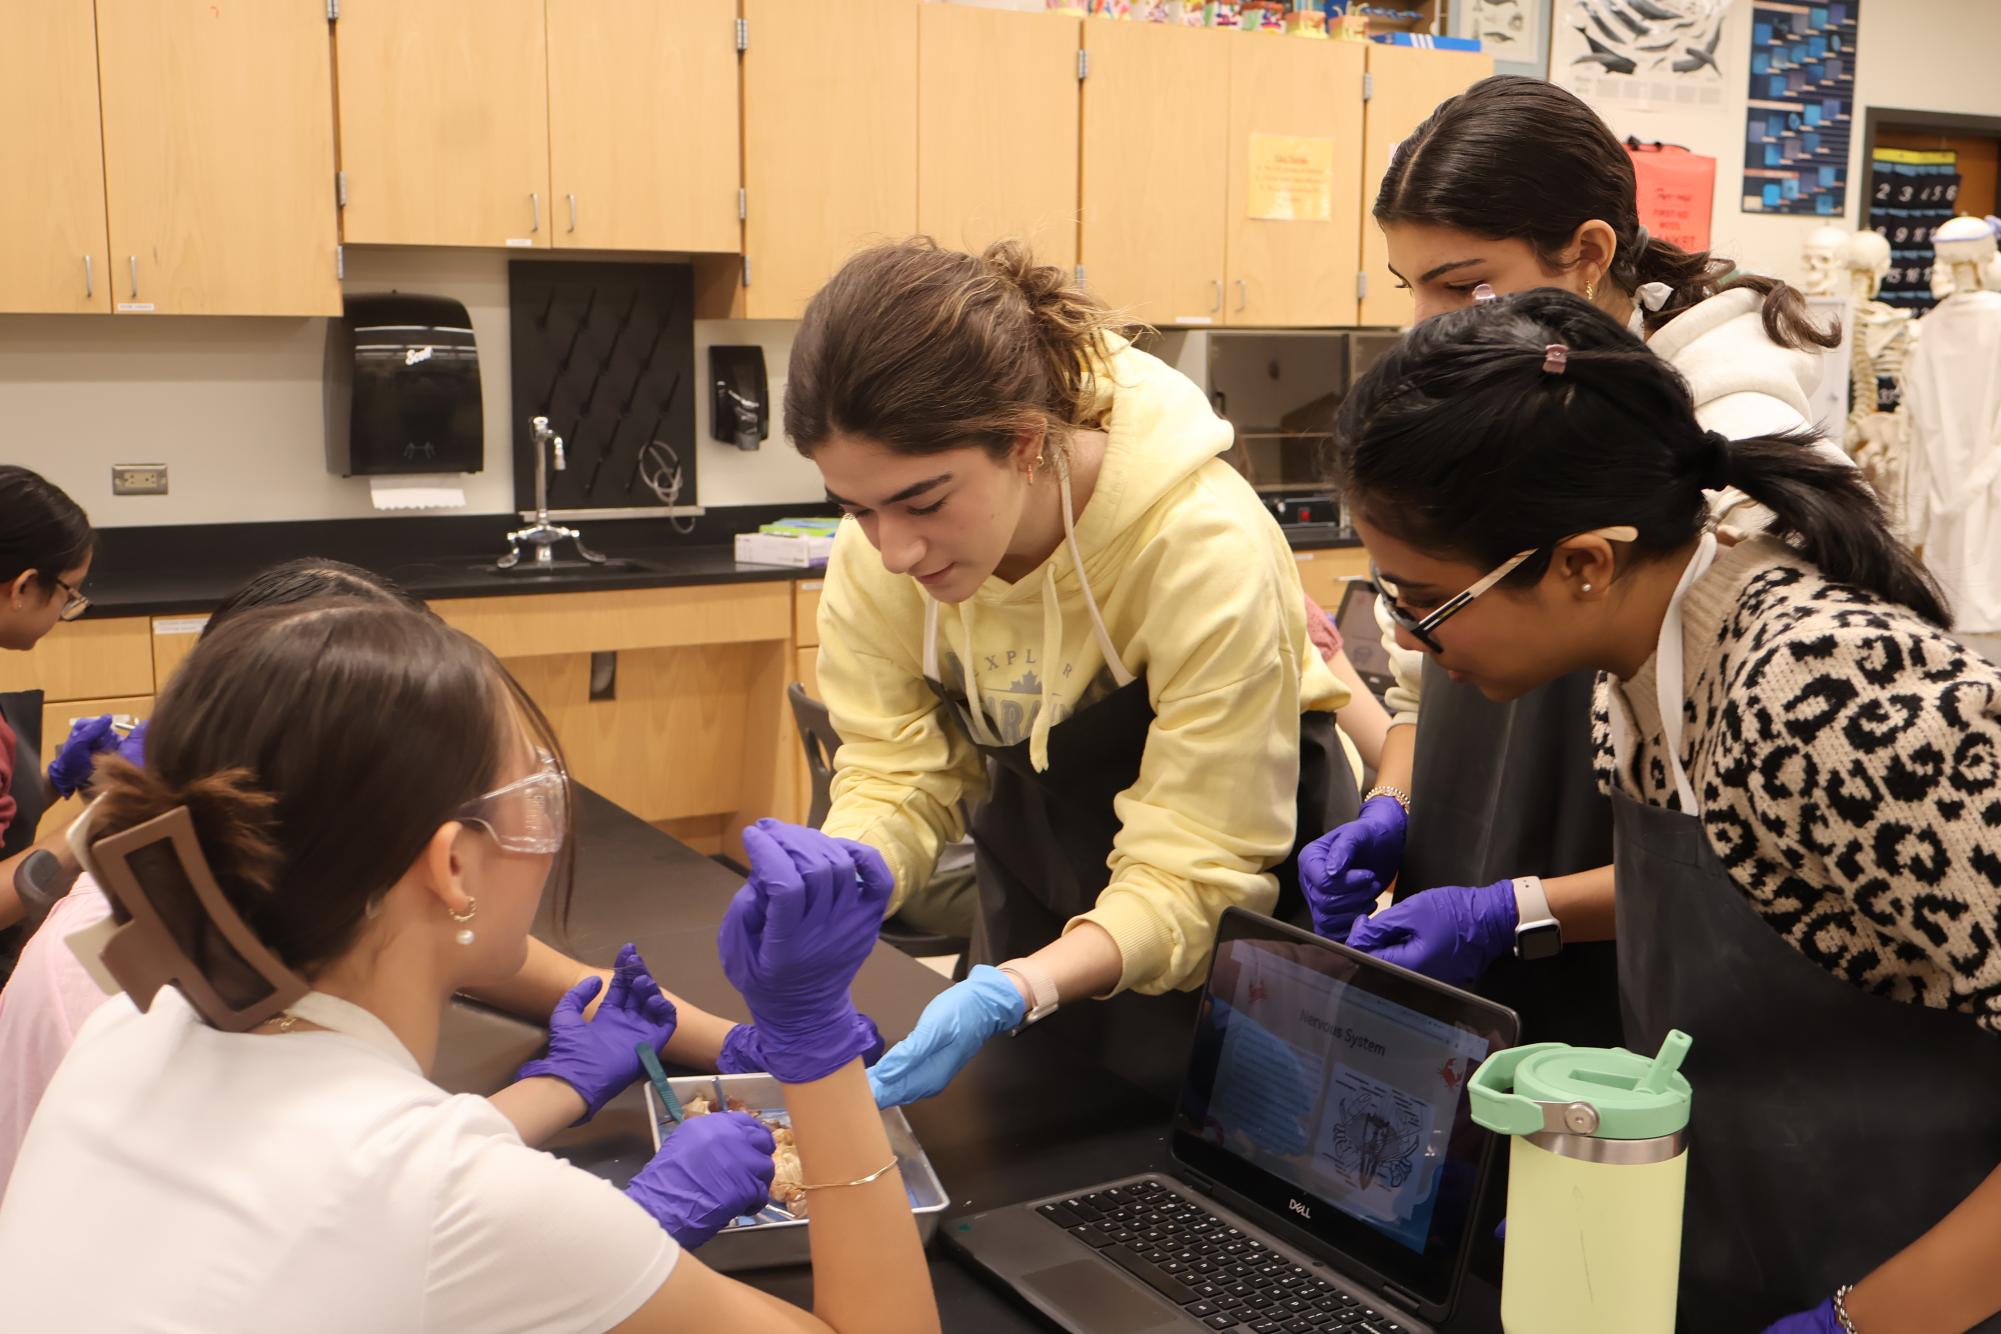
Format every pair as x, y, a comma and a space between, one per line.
1805, 770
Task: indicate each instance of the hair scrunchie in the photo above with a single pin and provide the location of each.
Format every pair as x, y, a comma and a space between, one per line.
1715, 461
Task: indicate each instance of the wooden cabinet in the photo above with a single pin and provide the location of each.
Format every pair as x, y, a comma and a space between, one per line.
1299, 271
174, 637
643, 141
1406, 83
444, 121
830, 141
52, 245
86, 659
997, 112
1325, 573
1155, 147
218, 157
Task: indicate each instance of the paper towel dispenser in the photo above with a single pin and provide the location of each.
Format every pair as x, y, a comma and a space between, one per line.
402, 387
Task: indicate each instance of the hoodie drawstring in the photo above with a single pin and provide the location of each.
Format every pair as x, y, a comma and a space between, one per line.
1052, 640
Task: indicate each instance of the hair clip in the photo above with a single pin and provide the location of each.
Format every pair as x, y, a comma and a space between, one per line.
1555, 356
1483, 294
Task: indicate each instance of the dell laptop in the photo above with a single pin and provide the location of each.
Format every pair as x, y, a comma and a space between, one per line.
1326, 1167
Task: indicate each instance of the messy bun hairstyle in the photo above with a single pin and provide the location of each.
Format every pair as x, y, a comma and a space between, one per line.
923, 349
317, 746
1520, 158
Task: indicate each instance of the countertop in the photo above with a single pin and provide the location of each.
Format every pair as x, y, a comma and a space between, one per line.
1021, 1121
173, 571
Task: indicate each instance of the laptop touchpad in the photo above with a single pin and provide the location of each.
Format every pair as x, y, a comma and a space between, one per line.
1091, 1298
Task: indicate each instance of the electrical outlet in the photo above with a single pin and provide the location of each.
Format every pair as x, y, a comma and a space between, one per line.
138, 479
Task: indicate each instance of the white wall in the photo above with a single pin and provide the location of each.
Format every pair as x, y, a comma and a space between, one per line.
1928, 55
233, 406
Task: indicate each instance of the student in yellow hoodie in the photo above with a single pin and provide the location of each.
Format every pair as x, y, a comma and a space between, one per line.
1056, 601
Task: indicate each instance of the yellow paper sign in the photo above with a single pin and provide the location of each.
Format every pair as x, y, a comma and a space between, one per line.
1292, 179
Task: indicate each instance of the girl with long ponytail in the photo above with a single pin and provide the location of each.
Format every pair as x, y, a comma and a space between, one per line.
1805, 774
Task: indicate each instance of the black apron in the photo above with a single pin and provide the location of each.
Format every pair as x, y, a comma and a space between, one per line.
1502, 790
1831, 1127
22, 710
1041, 844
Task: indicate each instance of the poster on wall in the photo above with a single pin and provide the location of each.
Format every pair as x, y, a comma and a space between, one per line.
1656, 55
1912, 192
1801, 109
1508, 29
1675, 190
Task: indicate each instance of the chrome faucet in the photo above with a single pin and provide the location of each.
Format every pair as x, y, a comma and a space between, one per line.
547, 447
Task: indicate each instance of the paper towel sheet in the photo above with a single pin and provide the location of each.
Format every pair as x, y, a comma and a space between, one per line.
419, 491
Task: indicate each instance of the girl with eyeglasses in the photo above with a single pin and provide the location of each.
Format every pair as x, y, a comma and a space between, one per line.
1512, 185
46, 545
1804, 768
348, 813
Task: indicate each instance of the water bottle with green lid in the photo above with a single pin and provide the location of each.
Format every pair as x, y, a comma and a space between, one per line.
1596, 1173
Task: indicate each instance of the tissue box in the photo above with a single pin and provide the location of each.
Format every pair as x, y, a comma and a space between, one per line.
1427, 41
775, 549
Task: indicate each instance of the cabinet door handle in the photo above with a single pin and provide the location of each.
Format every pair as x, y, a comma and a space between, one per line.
89, 287
535, 205
573, 211
1216, 297
132, 262
1243, 294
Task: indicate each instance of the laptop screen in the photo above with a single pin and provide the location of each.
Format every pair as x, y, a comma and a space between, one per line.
1330, 1089
1362, 637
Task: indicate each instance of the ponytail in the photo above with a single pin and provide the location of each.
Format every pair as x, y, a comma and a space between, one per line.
1832, 516
1469, 438
922, 349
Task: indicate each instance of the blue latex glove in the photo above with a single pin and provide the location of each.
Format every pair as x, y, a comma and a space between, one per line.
1451, 934
597, 1056
742, 1054
133, 747
793, 939
1820, 1320
88, 738
952, 1029
712, 1169
1343, 873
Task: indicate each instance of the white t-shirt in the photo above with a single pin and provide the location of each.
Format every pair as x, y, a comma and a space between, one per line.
177, 1178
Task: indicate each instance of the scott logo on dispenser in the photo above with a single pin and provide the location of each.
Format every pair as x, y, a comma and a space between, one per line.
1299, 1208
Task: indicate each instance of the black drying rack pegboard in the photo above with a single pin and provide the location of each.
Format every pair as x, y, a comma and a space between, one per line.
606, 352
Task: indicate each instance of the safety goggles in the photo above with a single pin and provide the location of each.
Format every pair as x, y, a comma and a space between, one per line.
1420, 627
530, 815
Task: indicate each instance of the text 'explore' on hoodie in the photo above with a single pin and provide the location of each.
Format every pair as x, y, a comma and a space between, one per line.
1199, 594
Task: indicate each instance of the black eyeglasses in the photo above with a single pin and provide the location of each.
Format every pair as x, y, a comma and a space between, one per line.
1420, 627
77, 603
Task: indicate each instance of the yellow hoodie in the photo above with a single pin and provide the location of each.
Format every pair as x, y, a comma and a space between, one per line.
1200, 596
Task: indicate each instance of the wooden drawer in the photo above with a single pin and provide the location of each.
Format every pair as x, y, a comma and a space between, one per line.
1325, 574
87, 659
537, 624
174, 637
806, 611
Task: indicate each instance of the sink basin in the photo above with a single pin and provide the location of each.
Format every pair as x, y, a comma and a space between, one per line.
569, 567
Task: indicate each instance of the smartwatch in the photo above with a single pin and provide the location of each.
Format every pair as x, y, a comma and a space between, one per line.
1538, 935
1039, 987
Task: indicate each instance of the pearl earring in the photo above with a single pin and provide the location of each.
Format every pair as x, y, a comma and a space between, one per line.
464, 936
1587, 588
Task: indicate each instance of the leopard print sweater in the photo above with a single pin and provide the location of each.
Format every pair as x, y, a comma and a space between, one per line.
1846, 755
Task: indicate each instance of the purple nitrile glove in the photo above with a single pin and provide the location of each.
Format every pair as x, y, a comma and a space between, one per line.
133, 747
1820, 1320
1451, 934
793, 939
598, 1056
88, 738
743, 1055
1343, 873
710, 1170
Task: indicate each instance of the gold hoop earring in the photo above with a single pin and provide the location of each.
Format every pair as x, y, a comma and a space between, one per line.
465, 935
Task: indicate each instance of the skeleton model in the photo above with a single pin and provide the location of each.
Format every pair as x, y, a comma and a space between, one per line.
1825, 257
1882, 339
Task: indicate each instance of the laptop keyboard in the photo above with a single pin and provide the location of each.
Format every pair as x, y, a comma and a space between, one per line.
1222, 1277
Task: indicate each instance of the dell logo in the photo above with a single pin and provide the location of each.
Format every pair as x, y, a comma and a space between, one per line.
1299, 1208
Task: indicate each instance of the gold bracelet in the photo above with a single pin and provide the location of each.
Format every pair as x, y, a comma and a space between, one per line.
858, 1181
1385, 790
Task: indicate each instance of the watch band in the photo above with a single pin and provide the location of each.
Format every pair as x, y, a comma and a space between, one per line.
1538, 935
1040, 987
